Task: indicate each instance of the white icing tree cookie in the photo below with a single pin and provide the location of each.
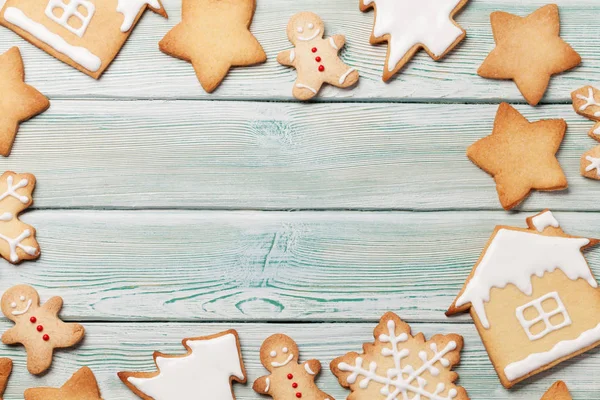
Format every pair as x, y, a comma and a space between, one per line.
401, 366
533, 297
585, 103
314, 57
208, 369
409, 25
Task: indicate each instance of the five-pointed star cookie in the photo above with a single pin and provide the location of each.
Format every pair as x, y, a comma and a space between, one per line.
529, 51
214, 36
18, 101
81, 386
409, 25
558, 391
5, 370
520, 155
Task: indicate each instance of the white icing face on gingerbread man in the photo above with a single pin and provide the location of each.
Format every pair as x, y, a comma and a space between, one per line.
305, 27
18, 300
276, 353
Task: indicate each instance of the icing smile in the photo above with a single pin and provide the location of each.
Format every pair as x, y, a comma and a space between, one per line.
276, 364
23, 311
310, 38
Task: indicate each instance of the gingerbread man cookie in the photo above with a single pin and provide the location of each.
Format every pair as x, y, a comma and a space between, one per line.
314, 57
38, 328
289, 379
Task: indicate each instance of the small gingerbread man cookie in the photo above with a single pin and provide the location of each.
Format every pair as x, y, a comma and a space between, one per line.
314, 57
288, 379
38, 328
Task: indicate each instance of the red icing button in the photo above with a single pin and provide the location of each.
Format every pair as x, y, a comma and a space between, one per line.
294, 385
39, 328
321, 68
318, 59
33, 320
290, 376
46, 338
298, 395
314, 49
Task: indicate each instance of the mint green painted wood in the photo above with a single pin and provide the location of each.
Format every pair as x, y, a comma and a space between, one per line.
142, 71
239, 155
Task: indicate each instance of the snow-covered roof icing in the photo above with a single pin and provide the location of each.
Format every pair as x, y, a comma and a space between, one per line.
514, 257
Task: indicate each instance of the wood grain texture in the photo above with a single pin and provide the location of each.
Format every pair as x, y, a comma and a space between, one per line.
141, 71
133, 351
261, 266
241, 155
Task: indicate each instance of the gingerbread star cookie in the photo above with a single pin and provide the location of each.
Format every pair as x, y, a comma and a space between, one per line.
207, 371
585, 103
529, 50
409, 25
521, 155
399, 365
288, 379
37, 328
5, 370
81, 386
17, 239
558, 391
314, 57
214, 35
18, 101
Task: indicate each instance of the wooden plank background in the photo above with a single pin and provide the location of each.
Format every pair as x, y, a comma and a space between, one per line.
165, 213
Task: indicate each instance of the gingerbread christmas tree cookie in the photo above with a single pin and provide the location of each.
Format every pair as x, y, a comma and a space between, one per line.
315, 57
18, 101
409, 25
558, 391
399, 365
529, 50
17, 239
585, 103
214, 36
289, 379
5, 370
37, 328
209, 368
81, 386
533, 297
521, 155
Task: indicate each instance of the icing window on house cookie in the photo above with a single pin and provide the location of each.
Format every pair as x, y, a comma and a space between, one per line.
543, 316
74, 15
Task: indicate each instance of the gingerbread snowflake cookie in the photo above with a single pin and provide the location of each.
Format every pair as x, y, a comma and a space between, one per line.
289, 379
86, 34
209, 368
81, 386
401, 366
558, 391
37, 328
409, 25
17, 239
315, 58
585, 104
533, 298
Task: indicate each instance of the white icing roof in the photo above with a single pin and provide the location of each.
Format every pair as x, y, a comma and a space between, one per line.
515, 256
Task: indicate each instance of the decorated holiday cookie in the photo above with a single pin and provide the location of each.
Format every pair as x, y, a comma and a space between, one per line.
214, 36
5, 370
529, 50
533, 298
17, 239
19, 101
585, 103
401, 366
209, 368
86, 34
81, 386
409, 25
289, 379
314, 57
521, 155
37, 328
558, 391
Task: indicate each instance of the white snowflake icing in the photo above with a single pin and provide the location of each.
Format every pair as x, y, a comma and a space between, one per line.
590, 101
14, 243
402, 381
594, 164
